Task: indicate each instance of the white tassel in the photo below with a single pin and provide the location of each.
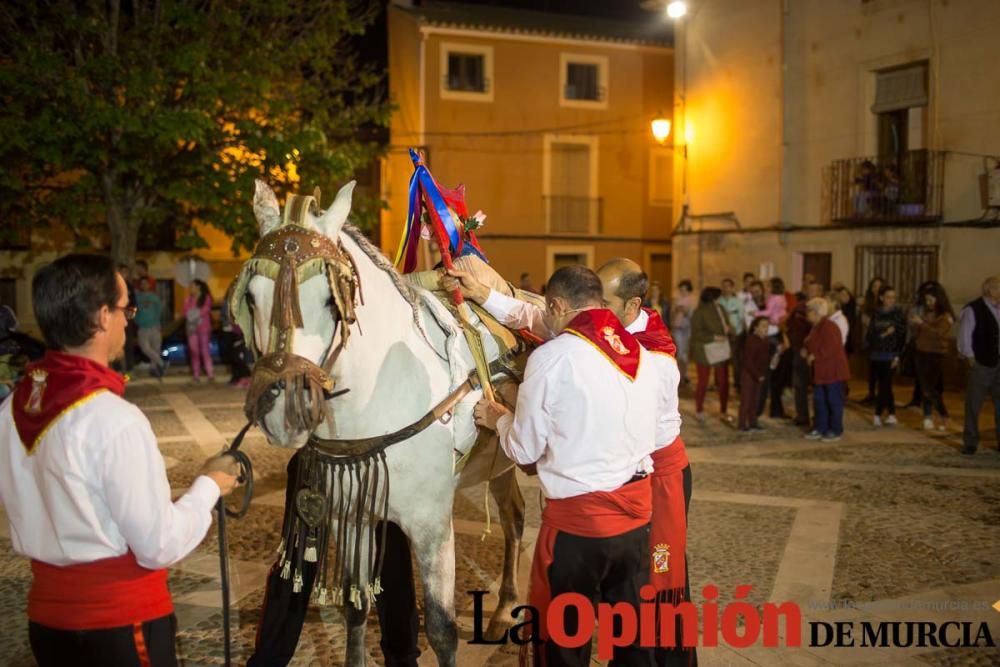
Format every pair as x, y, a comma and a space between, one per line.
377, 587
356, 597
310, 556
281, 548
297, 583
486, 505
286, 570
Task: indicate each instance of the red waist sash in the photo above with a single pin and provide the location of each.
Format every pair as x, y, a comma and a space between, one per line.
668, 529
601, 513
106, 593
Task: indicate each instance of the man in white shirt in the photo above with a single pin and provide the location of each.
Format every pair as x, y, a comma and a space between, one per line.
624, 287
85, 487
586, 419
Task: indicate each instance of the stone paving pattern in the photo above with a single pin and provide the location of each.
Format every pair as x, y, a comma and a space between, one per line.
915, 519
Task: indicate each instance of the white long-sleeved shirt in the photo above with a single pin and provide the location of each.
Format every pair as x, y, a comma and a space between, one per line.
586, 425
522, 315
95, 486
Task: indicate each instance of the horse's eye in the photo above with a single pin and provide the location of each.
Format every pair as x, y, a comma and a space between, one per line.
330, 303
250, 301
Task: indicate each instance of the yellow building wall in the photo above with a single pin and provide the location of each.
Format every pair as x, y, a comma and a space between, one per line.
497, 148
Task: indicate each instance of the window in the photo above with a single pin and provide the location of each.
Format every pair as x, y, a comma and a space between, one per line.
466, 72
903, 267
661, 177
569, 186
583, 81
558, 256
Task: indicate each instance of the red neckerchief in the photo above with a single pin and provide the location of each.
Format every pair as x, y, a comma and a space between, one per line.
656, 337
54, 385
601, 328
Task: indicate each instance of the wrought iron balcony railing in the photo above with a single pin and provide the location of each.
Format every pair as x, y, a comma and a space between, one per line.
887, 189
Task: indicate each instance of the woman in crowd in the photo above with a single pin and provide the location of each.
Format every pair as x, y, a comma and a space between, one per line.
849, 308
709, 328
886, 337
657, 301
932, 329
198, 316
869, 306
680, 324
824, 350
838, 317
780, 375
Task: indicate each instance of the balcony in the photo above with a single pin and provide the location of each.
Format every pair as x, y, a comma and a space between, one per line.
887, 190
573, 215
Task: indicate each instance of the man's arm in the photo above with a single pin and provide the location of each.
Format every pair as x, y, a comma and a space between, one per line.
524, 435
966, 325
509, 311
159, 532
668, 418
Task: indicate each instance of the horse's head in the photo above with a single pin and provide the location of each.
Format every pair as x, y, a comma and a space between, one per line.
295, 301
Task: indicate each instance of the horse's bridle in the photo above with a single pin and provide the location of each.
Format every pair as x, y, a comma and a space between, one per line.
290, 255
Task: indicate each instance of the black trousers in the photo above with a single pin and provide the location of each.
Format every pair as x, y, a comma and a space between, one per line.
604, 569
884, 400
930, 372
285, 611
150, 643
800, 383
679, 656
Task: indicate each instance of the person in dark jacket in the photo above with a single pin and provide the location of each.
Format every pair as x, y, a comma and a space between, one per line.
824, 351
797, 327
753, 370
709, 325
886, 337
979, 345
931, 340
869, 306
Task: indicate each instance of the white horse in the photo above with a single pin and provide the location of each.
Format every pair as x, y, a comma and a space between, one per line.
398, 355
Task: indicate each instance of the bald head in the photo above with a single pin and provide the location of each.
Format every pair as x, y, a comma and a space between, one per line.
625, 285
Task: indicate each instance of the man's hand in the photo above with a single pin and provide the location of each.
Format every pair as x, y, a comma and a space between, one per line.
486, 413
468, 285
971, 361
223, 470
895, 363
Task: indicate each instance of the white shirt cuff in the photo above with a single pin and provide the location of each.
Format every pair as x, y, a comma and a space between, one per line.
499, 305
204, 491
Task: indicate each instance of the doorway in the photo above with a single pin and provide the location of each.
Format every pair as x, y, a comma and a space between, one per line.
819, 265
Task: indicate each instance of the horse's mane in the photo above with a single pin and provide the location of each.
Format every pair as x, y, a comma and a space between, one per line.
406, 290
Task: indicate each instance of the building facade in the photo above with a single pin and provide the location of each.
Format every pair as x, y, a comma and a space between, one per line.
846, 140
546, 120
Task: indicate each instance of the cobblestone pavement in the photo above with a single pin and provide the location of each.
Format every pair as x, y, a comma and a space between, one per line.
893, 521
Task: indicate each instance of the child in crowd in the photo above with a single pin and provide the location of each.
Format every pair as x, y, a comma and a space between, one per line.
754, 370
886, 337
824, 350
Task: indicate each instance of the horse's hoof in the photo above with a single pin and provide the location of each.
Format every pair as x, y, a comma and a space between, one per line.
498, 627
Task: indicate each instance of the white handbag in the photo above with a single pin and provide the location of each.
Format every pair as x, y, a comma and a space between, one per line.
717, 352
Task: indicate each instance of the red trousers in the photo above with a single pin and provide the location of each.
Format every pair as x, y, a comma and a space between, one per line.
721, 382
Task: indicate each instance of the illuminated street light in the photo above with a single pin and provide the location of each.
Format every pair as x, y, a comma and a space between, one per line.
677, 9
661, 128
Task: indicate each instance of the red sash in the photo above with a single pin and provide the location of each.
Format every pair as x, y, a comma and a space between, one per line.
668, 529
598, 514
55, 385
602, 329
106, 593
656, 337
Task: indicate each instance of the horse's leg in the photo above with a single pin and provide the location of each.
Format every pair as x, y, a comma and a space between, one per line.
434, 547
357, 625
508, 496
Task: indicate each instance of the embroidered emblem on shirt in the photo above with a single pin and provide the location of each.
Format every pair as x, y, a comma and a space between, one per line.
661, 558
34, 404
614, 340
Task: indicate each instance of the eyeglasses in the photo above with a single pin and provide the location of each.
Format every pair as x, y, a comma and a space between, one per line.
128, 311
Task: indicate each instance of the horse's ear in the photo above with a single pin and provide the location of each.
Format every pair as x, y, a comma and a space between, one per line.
265, 207
333, 220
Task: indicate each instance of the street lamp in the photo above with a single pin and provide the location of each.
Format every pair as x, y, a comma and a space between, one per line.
677, 9
661, 128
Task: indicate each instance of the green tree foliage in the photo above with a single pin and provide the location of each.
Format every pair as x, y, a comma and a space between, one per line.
160, 112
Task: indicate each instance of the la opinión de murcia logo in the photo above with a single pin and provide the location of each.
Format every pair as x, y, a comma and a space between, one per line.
739, 624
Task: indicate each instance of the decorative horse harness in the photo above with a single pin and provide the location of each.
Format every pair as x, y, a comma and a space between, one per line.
346, 480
